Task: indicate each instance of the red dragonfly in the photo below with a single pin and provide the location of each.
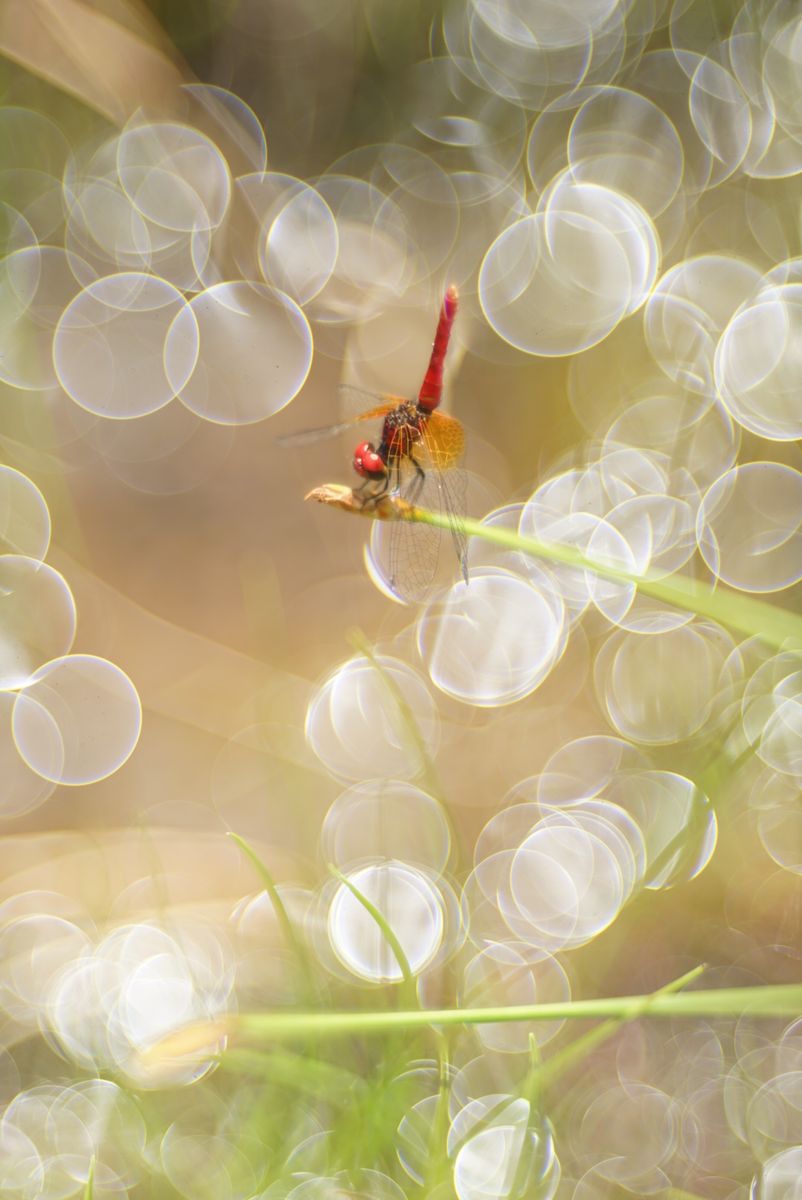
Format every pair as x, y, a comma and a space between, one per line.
418, 449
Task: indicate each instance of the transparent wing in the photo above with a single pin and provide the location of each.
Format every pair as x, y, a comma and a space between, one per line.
307, 437
444, 441
453, 488
407, 555
359, 404
356, 397
365, 399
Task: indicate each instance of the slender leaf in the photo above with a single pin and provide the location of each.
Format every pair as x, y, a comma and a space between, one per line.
382, 922
410, 730
89, 1190
282, 916
780, 1000
311, 1077
555, 1066
778, 627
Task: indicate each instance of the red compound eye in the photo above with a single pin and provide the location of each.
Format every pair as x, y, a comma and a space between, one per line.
368, 463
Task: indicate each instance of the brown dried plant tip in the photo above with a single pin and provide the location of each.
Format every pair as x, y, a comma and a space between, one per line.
383, 508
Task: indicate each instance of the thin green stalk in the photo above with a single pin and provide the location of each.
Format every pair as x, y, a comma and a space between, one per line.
437, 1161
384, 925
485, 1122
282, 916
311, 1077
89, 1190
532, 1086
555, 1066
531, 1092
541, 1074
712, 778
776, 626
409, 726
774, 1000
411, 730
684, 837
709, 786
370, 1119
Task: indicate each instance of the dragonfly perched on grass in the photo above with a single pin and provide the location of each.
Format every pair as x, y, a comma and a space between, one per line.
416, 459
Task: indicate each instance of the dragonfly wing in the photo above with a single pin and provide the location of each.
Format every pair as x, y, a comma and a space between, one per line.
308, 436
406, 554
443, 439
364, 404
453, 488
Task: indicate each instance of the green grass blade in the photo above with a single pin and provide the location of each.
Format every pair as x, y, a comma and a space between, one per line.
89, 1190
410, 732
383, 924
294, 943
778, 627
771, 1000
295, 1072
409, 728
437, 1161
555, 1066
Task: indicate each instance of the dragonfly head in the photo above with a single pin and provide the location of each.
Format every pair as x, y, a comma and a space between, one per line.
368, 462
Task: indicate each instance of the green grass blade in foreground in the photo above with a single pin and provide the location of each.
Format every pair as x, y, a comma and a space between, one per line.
437, 1165
548, 1072
294, 943
410, 732
770, 1000
409, 728
89, 1190
778, 627
295, 1072
383, 924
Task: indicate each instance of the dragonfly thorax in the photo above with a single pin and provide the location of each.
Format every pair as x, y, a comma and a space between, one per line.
400, 432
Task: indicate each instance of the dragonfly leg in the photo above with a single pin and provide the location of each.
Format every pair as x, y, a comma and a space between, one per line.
373, 490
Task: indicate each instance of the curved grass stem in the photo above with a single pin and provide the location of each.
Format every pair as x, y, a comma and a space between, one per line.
408, 726
383, 924
291, 938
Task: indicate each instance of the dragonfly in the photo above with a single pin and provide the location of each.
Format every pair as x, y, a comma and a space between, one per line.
416, 458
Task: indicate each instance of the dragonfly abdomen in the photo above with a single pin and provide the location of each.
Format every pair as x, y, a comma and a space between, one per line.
431, 389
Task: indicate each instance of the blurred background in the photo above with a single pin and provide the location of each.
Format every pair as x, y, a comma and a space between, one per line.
214, 214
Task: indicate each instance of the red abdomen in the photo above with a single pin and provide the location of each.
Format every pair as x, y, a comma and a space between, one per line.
432, 386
